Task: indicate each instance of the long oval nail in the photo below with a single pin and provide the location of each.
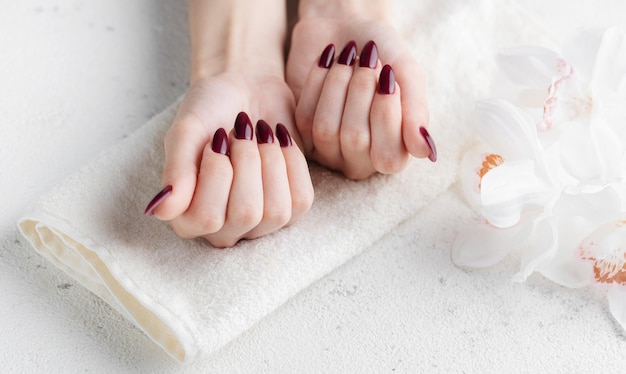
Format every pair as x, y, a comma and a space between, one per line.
327, 57
243, 127
369, 55
284, 139
264, 132
387, 81
348, 54
158, 199
431, 144
220, 142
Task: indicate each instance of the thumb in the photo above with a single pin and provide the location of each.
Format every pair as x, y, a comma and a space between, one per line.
184, 144
415, 114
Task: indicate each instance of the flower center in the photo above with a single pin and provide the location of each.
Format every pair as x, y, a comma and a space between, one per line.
608, 257
490, 161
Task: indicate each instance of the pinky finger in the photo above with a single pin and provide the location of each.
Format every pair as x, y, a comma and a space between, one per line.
300, 184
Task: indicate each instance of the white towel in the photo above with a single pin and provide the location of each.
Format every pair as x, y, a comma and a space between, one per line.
192, 299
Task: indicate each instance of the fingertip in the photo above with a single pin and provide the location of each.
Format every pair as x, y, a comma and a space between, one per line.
157, 200
430, 143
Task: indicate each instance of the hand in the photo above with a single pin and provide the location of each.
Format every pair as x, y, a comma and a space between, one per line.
354, 115
226, 187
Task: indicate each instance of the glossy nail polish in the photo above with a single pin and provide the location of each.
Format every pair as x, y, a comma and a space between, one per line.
284, 139
326, 59
243, 127
348, 54
387, 81
369, 55
158, 199
220, 142
431, 144
264, 132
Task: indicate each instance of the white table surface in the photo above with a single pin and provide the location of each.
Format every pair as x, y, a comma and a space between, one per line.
77, 76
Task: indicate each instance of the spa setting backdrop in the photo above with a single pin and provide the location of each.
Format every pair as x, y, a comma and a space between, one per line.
382, 275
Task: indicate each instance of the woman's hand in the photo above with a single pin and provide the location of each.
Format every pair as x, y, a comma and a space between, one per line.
362, 109
227, 184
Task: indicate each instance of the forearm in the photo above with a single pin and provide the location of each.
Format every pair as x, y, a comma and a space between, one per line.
235, 35
371, 9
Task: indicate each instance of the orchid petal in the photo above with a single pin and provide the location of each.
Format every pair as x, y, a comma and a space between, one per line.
509, 189
527, 71
565, 267
556, 254
545, 246
529, 66
482, 245
581, 49
617, 305
605, 250
507, 129
609, 70
591, 151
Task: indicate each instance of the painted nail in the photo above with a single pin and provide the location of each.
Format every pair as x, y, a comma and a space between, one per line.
284, 139
326, 59
264, 132
243, 127
220, 142
387, 81
158, 199
348, 54
431, 144
369, 55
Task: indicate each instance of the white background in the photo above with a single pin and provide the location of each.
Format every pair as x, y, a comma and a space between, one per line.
78, 76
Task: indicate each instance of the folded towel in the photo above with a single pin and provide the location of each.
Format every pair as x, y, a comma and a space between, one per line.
191, 298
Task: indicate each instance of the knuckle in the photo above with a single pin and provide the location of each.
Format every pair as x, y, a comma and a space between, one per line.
388, 163
304, 117
209, 222
278, 216
324, 133
355, 140
302, 201
246, 216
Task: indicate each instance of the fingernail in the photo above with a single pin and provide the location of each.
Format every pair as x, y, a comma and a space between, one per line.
243, 127
158, 199
387, 81
326, 59
284, 139
264, 132
369, 55
431, 144
220, 142
348, 54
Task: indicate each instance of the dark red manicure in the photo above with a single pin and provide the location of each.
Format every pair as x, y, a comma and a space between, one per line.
387, 81
369, 55
158, 199
348, 55
243, 127
220, 142
326, 59
264, 132
431, 144
284, 139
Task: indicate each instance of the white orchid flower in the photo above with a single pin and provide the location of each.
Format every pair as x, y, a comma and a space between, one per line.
550, 172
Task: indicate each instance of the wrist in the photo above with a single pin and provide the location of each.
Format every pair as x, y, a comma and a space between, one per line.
363, 9
236, 36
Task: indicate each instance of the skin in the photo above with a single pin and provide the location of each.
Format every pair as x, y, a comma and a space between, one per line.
236, 65
335, 116
344, 123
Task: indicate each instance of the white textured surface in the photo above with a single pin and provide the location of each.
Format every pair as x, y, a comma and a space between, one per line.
93, 81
